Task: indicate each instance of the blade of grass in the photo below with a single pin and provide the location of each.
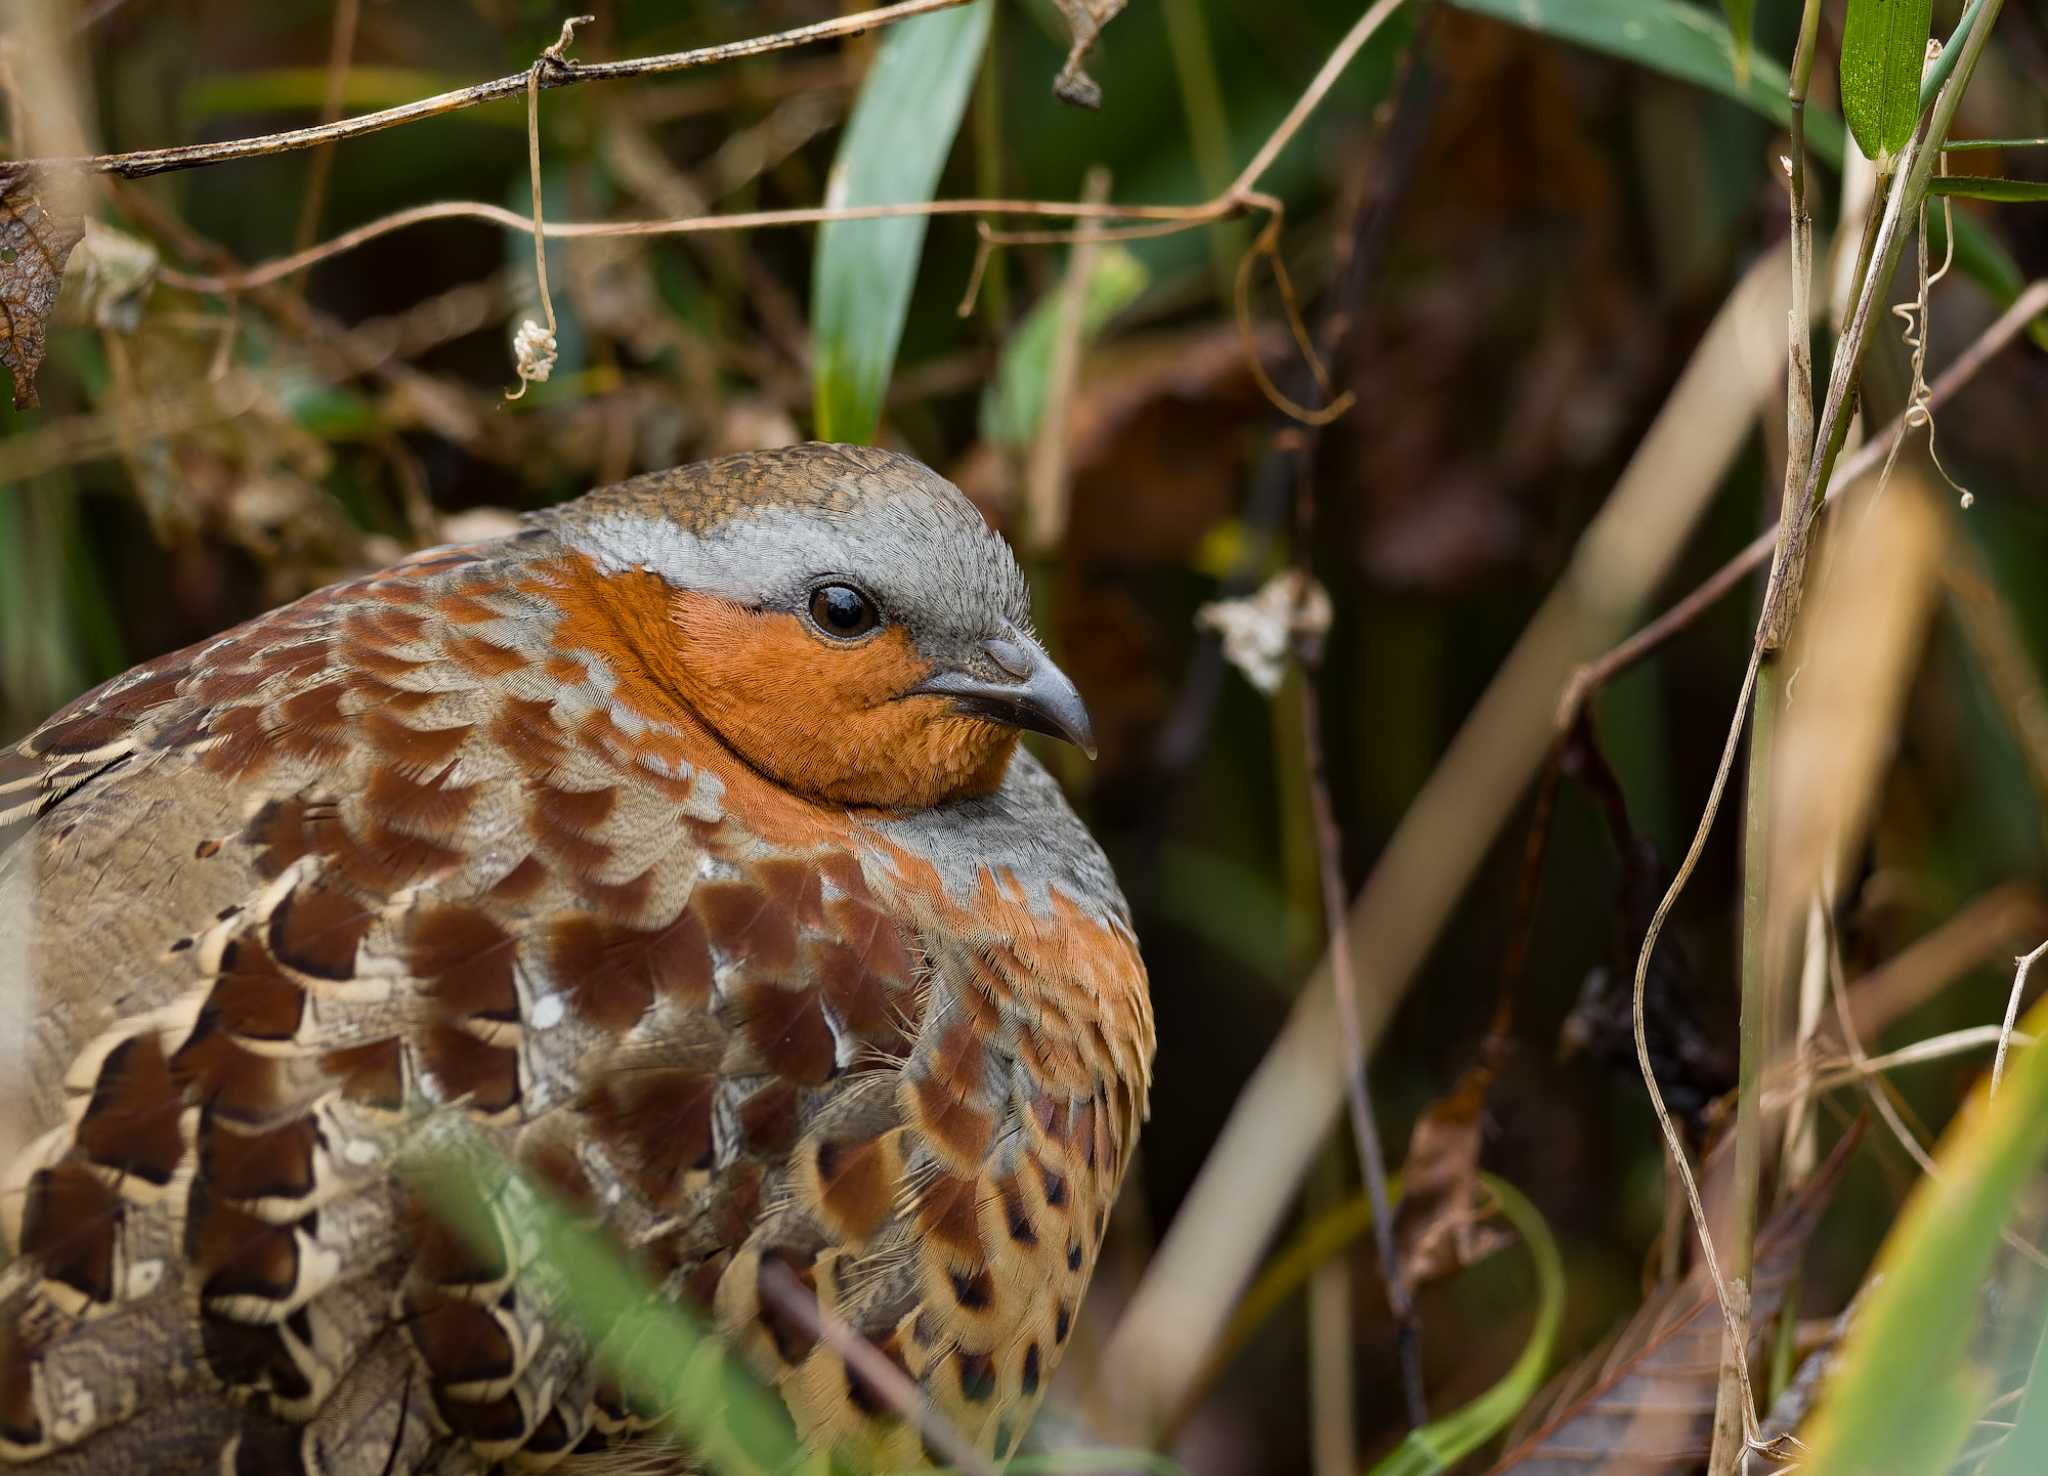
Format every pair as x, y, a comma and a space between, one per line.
1884, 46
1900, 1369
644, 1339
1976, 187
896, 143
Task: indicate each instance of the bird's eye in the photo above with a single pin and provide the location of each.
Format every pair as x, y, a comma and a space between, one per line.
842, 611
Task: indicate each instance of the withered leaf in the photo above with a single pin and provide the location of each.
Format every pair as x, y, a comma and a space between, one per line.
1644, 1404
1442, 1224
35, 242
1085, 20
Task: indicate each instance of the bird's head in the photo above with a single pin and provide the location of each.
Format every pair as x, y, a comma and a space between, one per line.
841, 617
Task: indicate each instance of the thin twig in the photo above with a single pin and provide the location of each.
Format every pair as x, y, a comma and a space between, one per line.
891, 1383
1594, 675
1358, 1097
1824, 1072
1735, 1320
1879, 1091
144, 162
1241, 197
2024, 963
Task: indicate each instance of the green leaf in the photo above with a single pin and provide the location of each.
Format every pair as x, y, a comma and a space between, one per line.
1741, 21
1978, 187
652, 1346
1441, 1444
1937, 72
1014, 401
1905, 1368
1679, 40
2025, 1449
1884, 47
895, 144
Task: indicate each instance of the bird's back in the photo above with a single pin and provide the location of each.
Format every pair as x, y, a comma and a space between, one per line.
422, 849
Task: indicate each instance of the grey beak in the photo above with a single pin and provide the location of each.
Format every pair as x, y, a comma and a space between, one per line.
1039, 699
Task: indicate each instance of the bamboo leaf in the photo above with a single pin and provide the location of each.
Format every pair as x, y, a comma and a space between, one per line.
1977, 187
1901, 1366
895, 144
1884, 47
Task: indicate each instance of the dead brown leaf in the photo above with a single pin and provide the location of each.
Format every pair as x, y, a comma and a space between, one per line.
1644, 1404
35, 242
1443, 1225
1085, 20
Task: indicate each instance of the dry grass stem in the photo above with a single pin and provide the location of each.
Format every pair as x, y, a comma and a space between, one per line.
1825, 1072
1365, 1131
2023, 964
1879, 1093
1782, 596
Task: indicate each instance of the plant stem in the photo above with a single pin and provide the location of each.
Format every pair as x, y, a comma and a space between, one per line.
1365, 1129
1734, 1414
1810, 458
1758, 976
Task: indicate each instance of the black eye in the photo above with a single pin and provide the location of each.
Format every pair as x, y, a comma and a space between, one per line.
843, 611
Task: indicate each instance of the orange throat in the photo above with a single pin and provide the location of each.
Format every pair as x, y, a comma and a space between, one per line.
830, 723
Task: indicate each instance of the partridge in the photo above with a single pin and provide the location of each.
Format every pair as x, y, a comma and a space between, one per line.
680, 845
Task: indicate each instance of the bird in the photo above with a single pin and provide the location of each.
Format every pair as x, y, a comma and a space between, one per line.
678, 848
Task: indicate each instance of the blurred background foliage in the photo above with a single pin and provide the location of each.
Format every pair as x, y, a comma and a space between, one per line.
1551, 228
